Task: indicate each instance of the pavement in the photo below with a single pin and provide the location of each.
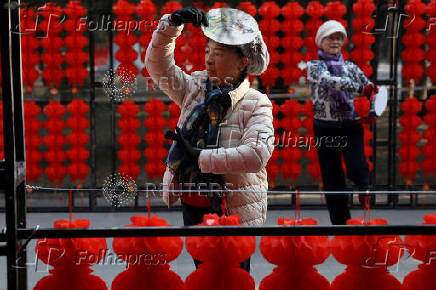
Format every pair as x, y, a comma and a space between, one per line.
183, 265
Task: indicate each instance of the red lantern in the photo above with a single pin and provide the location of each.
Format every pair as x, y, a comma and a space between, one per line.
154, 122
147, 258
29, 44
420, 248
367, 259
311, 153
315, 10
147, 11
431, 41
429, 149
52, 43
362, 106
221, 257
75, 56
55, 140
247, 7
33, 141
78, 154
295, 258
129, 154
71, 258
269, 9
125, 55
409, 166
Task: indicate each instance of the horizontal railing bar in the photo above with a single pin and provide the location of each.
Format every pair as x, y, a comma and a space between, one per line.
336, 230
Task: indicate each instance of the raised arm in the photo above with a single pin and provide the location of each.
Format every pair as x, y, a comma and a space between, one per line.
254, 151
318, 74
160, 64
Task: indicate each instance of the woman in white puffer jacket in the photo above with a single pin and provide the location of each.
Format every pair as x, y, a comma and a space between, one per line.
246, 137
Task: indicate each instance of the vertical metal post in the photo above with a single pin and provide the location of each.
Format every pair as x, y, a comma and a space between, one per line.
13, 126
92, 197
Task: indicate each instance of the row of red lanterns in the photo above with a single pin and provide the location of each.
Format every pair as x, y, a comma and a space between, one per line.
367, 258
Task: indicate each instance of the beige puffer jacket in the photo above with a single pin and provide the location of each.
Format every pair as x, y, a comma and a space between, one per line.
246, 135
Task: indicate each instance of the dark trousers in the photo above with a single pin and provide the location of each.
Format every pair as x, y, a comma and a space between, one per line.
348, 143
193, 215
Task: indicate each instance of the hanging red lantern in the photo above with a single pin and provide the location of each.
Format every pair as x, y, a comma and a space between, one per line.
155, 123
147, 12
420, 247
311, 153
247, 7
413, 53
52, 43
221, 256
126, 55
147, 258
295, 258
409, 121
55, 140
292, 42
429, 149
129, 154
430, 40
335, 10
76, 57
33, 141
29, 45
78, 154
362, 106
315, 10
71, 258
367, 259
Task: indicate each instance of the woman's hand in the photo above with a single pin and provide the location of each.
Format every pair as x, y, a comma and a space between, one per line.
169, 198
369, 89
192, 152
192, 15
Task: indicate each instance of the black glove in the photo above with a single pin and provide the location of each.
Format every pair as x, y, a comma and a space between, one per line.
192, 15
193, 152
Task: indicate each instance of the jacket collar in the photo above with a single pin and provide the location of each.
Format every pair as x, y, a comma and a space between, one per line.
235, 95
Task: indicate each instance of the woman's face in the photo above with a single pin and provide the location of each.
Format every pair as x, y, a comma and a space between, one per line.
223, 64
333, 43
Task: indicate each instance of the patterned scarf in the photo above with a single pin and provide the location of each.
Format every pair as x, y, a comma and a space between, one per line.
201, 128
339, 100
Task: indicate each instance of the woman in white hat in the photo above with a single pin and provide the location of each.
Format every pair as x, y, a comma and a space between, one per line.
334, 83
225, 134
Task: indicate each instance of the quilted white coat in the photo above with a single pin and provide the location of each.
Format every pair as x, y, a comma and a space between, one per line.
246, 135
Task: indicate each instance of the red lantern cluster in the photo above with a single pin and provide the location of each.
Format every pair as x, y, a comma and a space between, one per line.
125, 37
295, 258
147, 258
315, 10
76, 57
55, 140
129, 140
431, 42
269, 26
247, 7
335, 10
71, 258
78, 138
198, 45
52, 44
291, 153
421, 248
291, 42
362, 39
146, 10
154, 138
221, 257
33, 141
311, 153
362, 106
413, 39
29, 44
272, 168
367, 259
409, 137
429, 149
174, 111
